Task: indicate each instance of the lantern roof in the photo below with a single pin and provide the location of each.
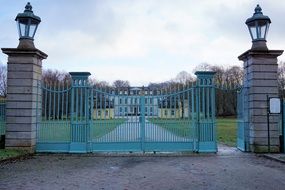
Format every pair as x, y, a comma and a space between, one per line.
28, 13
257, 15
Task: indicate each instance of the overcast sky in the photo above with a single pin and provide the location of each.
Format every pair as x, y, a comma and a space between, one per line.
141, 40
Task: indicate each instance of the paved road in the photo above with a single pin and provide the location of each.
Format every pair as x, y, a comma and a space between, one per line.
131, 131
229, 170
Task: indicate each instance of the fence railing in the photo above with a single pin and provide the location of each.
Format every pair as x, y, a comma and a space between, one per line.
2, 116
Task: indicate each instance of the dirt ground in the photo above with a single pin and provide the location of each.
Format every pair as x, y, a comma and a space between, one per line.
229, 170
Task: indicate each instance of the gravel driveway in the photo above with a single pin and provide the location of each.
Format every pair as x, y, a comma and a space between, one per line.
131, 131
231, 170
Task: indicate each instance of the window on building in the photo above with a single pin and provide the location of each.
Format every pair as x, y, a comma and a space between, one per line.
106, 113
120, 101
99, 112
165, 112
172, 112
146, 100
150, 100
126, 101
126, 109
121, 109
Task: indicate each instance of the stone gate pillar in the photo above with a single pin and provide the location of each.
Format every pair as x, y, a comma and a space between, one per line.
260, 80
24, 73
23, 95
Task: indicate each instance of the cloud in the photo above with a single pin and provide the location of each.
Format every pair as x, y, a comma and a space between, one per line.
157, 39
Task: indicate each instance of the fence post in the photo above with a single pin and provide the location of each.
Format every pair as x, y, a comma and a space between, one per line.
80, 114
205, 110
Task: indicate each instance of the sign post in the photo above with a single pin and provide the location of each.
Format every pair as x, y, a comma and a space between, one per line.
274, 107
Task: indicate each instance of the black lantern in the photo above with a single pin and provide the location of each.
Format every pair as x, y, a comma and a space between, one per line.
258, 25
27, 23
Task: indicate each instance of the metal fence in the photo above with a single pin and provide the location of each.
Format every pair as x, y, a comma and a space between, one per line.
2, 116
83, 118
242, 120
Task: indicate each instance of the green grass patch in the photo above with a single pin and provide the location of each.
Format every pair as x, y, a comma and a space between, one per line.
227, 131
100, 128
179, 127
54, 131
60, 130
7, 153
226, 128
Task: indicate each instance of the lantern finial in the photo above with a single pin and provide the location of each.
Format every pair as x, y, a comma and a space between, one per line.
257, 10
28, 7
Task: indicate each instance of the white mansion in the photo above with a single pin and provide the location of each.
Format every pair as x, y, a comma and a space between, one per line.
127, 102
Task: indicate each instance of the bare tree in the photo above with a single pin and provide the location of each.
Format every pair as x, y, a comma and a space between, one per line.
121, 84
184, 78
99, 84
3, 80
203, 67
55, 77
281, 78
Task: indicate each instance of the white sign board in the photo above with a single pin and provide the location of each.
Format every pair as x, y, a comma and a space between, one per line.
274, 105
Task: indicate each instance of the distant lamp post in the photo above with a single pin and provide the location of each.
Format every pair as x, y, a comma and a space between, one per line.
27, 26
258, 26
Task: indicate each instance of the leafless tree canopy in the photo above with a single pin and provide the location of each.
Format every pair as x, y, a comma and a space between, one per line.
281, 78
55, 77
121, 84
229, 78
3, 80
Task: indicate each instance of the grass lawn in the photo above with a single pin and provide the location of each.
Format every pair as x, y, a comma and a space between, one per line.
5, 154
102, 127
178, 127
59, 130
226, 128
227, 131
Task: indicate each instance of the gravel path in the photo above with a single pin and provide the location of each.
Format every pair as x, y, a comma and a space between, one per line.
229, 170
131, 131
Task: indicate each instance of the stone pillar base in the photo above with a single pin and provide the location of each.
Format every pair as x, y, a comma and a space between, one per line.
23, 97
260, 78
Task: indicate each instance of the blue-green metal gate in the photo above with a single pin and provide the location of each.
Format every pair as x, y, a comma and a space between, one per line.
2, 116
282, 129
78, 117
242, 120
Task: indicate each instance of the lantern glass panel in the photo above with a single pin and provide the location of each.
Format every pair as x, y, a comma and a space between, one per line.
253, 32
266, 30
23, 26
23, 29
262, 31
32, 30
